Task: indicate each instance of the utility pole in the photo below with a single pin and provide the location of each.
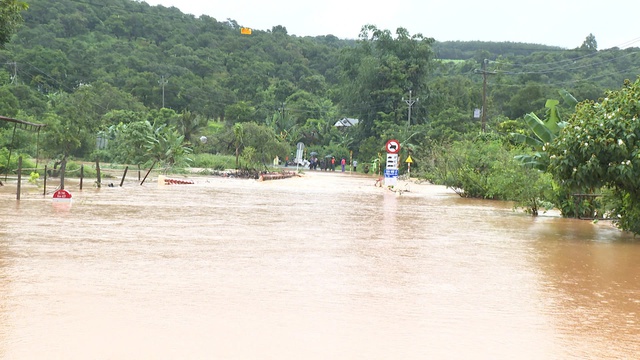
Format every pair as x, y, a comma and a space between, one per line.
484, 73
14, 77
410, 102
162, 83
484, 94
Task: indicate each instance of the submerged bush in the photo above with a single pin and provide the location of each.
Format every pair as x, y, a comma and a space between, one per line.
488, 170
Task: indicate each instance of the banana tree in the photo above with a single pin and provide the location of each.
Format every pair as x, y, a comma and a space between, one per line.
544, 131
284, 126
167, 146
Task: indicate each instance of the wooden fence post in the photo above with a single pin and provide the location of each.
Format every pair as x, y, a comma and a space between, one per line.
98, 177
151, 168
123, 175
44, 192
19, 177
81, 175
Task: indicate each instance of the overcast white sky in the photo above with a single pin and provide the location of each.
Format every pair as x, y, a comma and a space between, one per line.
564, 23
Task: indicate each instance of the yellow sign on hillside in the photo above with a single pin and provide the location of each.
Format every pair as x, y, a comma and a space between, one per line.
245, 31
409, 159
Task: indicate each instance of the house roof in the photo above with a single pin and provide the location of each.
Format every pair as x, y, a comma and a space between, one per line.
346, 122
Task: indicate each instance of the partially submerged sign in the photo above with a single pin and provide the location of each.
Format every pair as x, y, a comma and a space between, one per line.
62, 195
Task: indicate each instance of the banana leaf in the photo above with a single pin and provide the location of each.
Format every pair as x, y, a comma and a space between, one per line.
539, 128
527, 140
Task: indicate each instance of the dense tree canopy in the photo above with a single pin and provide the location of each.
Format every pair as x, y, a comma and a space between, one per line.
10, 18
601, 148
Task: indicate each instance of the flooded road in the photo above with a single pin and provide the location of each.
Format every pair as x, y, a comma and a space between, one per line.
324, 266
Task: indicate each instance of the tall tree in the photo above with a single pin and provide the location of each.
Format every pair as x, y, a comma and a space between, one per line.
589, 43
10, 18
601, 148
380, 71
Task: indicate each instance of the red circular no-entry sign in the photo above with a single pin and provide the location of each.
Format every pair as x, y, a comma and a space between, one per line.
393, 146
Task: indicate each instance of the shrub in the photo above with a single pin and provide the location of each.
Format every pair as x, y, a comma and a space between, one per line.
488, 170
211, 161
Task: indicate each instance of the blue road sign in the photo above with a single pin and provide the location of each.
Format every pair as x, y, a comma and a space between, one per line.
390, 172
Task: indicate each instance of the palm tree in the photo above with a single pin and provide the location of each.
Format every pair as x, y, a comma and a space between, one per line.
190, 124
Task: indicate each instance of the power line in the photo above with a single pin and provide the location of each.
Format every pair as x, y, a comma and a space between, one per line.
570, 66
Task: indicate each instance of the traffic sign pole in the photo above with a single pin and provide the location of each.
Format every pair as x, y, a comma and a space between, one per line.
409, 161
391, 171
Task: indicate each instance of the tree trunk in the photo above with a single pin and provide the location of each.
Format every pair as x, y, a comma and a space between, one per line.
63, 168
98, 176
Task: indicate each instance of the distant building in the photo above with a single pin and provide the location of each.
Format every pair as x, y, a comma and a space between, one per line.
346, 122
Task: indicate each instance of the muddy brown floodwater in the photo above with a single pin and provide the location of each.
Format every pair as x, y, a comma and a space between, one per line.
324, 266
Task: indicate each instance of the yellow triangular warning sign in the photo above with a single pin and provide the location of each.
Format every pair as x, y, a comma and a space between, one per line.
409, 159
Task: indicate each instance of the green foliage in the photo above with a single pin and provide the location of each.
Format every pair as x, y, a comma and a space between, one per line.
589, 43
238, 139
336, 150
211, 161
488, 170
250, 155
127, 140
623, 207
380, 71
265, 142
530, 189
166, 145
75, 168
10, 18
601, 148
469, 49
370, 148
240, 112
544, 133
33, 178
577, 205
12, 164
260, 137
190, 124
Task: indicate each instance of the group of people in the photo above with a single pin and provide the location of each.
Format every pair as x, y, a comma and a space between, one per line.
325, 164
329, 164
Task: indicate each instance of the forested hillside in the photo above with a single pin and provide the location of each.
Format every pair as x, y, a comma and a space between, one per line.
204, 65
124, 55
164, 57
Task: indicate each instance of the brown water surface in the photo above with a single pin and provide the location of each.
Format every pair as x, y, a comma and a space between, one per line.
324, 266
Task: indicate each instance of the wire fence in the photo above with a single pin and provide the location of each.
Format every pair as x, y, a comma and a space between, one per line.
47, 180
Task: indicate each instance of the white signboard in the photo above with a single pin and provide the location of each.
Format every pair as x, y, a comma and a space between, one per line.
392, 161
299, 154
